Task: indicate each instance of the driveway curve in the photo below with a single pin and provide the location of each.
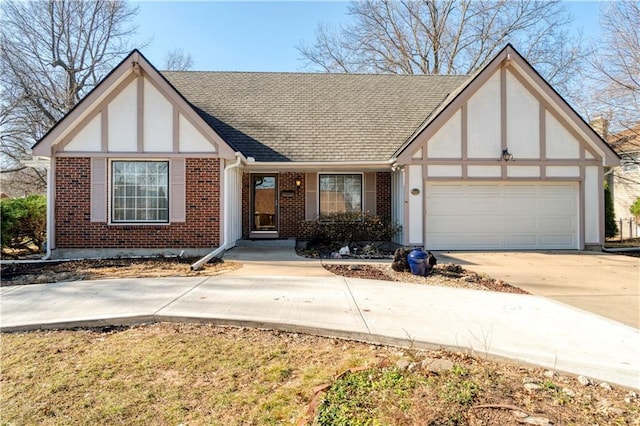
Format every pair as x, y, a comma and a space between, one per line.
526, 328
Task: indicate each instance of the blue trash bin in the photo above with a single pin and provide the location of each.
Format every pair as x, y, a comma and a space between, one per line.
417, 260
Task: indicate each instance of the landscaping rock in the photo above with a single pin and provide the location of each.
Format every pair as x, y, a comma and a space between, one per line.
569, 392
631, 396
538, 421
532, 386
436, 365
584, 381
400, 263
403, 364
549, 374
605, 386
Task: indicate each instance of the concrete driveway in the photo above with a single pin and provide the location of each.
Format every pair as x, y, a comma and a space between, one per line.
602, 283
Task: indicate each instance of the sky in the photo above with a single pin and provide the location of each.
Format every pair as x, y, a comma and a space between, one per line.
259, 36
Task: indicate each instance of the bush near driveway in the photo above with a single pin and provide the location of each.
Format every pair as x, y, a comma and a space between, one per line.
24, 221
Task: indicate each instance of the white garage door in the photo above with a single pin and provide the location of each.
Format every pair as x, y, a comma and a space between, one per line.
502, 216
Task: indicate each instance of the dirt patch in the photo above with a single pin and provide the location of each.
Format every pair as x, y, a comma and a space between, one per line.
91, 269
447, 275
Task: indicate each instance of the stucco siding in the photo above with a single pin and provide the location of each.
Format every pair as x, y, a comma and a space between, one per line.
593, 189
447, 142
560, 144
484, 111
158, 120
191, 139
415, 208
123, 125
523, 123
88, 138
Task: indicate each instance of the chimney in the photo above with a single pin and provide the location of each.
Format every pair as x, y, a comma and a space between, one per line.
601, 127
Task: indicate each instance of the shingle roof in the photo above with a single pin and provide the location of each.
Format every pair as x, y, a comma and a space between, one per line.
314, 117
626, 141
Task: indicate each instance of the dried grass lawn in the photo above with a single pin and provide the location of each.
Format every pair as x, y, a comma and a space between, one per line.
170, 374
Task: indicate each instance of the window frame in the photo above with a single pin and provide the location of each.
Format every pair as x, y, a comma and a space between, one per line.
111, 193
362, 194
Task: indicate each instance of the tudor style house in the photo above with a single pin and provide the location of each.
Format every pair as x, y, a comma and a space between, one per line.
163, 162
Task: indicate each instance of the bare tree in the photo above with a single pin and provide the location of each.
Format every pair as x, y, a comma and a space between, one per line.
52, 52
177, 60
445, 37
617, 63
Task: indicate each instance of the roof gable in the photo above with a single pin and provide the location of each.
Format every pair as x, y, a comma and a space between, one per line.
510, 59
119, 98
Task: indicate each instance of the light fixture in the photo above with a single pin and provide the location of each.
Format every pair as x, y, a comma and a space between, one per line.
506, 155
298, 183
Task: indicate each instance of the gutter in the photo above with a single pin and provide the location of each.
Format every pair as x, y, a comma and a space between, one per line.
328, 165
50, 203
226, 243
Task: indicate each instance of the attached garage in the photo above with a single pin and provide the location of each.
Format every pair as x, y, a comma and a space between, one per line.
502, 215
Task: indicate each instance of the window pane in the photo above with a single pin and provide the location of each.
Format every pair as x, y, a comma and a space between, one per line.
139, 189
340, 194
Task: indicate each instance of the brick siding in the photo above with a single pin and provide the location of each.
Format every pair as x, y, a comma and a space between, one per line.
75, 230
292, 209
383, 195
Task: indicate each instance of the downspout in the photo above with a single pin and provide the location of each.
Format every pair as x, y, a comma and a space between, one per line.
50, 203
37, 162
226, 244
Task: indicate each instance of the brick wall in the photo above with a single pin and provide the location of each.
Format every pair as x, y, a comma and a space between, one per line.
75, 230
291, 209
246, 204
383, 195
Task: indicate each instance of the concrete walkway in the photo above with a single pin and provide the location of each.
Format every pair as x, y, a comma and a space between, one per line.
527, 328
605, 284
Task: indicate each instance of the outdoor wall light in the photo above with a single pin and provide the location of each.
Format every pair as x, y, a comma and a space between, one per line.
506, 155
298, 183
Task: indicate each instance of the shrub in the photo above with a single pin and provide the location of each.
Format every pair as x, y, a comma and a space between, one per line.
24, 221
610, 225
347, 228
635, 209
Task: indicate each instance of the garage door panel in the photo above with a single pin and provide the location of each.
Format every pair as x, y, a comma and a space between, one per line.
557, 189
448, 190
480, 207
558, 240
557, 205
452, 241
522, 240
464, 224
448, 204
502, 216
486, 240
557, 223
513, 225
519, 190
520, 205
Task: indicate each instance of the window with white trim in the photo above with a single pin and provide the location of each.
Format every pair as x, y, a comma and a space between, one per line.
340, 193
140, 191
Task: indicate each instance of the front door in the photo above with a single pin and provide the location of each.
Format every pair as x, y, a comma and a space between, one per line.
264, 205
